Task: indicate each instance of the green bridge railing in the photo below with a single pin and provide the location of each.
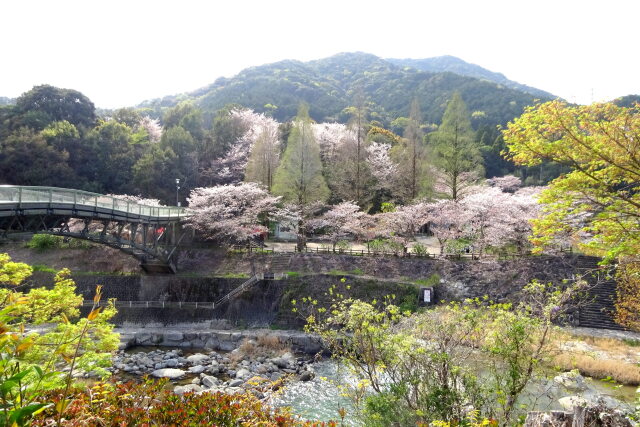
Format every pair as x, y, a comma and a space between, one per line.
28, 196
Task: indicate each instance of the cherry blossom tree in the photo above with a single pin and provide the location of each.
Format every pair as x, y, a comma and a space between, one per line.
383, 169
342, 221
230, 213
153, 128
489, 218
230, 168
447, 219
508, 183
330, 138
402, 224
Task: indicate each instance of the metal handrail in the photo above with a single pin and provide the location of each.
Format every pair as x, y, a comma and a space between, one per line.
21, 194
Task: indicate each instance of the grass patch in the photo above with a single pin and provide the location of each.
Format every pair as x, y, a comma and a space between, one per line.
603, 358
45, 268
45, 242
431, 281
594, 367
354, 272
292, 274
631, 342
233, 276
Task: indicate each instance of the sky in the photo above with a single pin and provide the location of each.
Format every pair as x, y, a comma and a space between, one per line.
119, 53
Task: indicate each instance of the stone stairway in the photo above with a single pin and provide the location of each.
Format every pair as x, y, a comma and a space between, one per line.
280, 263
597, 311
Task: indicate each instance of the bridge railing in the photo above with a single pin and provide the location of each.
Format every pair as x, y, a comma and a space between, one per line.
27, 194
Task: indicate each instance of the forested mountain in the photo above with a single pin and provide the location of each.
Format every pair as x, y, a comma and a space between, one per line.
6, 101
447, 63
627, 101
329, 86
377, 127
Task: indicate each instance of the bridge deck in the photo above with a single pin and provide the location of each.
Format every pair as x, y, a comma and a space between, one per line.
62, 201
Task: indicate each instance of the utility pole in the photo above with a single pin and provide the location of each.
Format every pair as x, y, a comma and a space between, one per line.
177, 190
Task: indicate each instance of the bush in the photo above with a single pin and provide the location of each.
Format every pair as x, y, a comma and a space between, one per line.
148, 403
343, 245
420, 249
44, 242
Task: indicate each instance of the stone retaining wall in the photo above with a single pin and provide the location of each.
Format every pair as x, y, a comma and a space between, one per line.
212, 339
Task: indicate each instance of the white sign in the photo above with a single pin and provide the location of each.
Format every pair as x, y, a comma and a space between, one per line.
427, 295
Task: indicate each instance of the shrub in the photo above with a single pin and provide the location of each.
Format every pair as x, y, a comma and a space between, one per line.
343, 245
28, 359
44, 242
420, 249
148, 403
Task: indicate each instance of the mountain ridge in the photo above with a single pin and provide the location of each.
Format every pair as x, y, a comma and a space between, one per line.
329, 85
457, 65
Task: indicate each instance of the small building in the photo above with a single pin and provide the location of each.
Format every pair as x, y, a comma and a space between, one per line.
285, 230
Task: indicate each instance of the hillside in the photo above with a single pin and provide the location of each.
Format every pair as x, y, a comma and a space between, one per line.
328, 85
440, 64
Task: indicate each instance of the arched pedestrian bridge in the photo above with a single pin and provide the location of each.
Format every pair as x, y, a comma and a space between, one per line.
150, 233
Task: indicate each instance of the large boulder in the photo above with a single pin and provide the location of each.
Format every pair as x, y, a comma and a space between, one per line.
182, 389
170, 373
209, 381
197, 359
570, 402
571, 380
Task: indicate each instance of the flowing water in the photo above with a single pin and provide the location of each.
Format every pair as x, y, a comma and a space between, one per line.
321, 398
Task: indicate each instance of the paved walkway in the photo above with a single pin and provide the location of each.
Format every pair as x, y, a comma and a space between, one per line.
431, 243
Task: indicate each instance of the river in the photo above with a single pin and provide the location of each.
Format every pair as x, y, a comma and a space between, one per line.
321, 398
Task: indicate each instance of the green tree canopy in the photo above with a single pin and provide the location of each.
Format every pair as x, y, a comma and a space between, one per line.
58, 104
299, 178
456, 155
597, 204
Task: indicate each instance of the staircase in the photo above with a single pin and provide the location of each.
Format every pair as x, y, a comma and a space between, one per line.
280, 263
237, 291
599, 307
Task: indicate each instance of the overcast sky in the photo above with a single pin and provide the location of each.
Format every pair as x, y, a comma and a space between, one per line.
120, 53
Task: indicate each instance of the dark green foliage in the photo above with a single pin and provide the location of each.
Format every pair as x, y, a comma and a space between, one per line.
44, 242
27, 160
328, 86
58, 104
455, 65
627, 101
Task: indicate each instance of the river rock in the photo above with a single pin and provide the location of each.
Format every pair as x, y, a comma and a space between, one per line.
171, 363
182, 389
243, 373
209, 381
197, 359
571, 380
170, 373
569, 402
306, 376
236, 383
280, 362
198, 369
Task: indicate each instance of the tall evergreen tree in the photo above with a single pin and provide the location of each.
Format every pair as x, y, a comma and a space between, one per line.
411, 157
299, 178
264, 158
456, 155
